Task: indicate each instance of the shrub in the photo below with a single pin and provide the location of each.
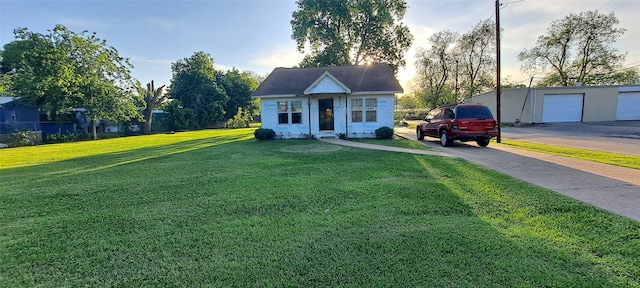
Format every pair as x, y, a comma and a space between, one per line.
61, 138
21, 138
384, 132
264, 134
240, 120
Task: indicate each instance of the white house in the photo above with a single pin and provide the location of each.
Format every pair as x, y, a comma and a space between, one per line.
328, 101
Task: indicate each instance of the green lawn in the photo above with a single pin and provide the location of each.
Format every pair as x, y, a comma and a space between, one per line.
398, 142
629, 161
219, 209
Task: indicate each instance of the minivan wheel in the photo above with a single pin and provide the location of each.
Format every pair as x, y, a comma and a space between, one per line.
444, 139
483, 142
419, 134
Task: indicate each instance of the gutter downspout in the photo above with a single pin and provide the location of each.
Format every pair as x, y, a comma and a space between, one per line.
534, 103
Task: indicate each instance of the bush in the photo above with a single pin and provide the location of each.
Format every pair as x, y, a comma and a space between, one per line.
240, 120
61, 138
264, 134
21, 138
384, 132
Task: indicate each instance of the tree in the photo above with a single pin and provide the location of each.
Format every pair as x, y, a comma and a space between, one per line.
434, 69
474, 51
577, 49
455, 67
63, 69
351, 32
5, 78
194, 84
179, 118
238, 86
153, 97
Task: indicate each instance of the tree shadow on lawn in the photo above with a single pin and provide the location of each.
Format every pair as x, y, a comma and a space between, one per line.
361, 218
81, 166
560, 233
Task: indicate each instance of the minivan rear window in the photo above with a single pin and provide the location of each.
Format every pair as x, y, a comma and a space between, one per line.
481, 112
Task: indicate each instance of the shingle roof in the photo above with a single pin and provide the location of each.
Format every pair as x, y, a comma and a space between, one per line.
363, 78
5, 100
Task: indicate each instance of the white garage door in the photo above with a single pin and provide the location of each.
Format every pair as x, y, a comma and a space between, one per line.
628, 106
562, 108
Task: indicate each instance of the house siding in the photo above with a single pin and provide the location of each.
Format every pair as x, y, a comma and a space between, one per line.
341, 112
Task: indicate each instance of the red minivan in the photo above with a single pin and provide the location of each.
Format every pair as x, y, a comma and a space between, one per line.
464, 122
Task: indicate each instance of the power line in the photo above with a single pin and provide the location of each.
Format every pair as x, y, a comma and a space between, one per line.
605, 4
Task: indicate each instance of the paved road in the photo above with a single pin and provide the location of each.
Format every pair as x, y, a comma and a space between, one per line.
609, 187
617, 137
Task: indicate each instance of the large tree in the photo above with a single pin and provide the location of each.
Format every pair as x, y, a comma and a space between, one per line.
63, 70
455, 67
578, 49
475, 60
238, 86
351, 32
435, 67
194, 84
152, 98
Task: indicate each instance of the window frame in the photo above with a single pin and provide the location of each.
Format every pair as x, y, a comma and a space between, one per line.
288, 110
355, 109
365, 111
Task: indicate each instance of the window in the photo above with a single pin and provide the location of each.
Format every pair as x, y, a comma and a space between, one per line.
448, 114
283, 112
368, 114
296, 112
356, 110
290, 112
372, 107
437, 115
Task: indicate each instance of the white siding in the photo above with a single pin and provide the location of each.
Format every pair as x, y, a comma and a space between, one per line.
342, 114
562, 108
327, 85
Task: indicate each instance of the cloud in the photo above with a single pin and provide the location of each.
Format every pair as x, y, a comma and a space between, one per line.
83, 23
160, 24
284, 56
150, 61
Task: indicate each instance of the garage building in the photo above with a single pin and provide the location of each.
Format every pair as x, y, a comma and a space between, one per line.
565, 104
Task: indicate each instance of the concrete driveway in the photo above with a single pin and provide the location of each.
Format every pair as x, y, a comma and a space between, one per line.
609, 187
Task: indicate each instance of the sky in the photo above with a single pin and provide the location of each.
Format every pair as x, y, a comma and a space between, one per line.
255, 35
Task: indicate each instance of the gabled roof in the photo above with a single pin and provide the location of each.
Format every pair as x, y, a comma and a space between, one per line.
327, 84
5, 99
357, 79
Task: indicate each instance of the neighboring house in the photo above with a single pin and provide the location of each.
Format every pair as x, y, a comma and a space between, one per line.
352, 101
17, 116
565, 104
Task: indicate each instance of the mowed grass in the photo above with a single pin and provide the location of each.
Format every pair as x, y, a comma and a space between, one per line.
219, 209
622, 160
397, 142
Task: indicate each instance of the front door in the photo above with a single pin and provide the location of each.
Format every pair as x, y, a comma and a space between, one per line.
325, 111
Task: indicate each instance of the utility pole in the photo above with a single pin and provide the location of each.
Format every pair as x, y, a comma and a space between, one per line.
498, 90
